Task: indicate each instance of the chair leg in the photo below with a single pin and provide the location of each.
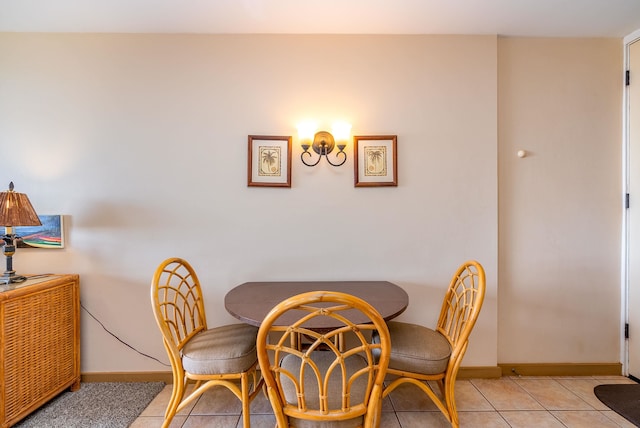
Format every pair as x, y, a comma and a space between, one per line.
448, 410
450, 402
246, 402
177, 392
281, 419
374, 412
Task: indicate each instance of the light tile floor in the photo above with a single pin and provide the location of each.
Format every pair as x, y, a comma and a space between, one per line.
518, 402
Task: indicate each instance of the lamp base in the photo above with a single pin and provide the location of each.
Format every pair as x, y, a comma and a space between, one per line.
12, 278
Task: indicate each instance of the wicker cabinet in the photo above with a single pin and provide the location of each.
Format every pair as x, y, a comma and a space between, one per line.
39, 343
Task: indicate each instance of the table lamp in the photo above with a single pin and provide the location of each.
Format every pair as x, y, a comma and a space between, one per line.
15, 210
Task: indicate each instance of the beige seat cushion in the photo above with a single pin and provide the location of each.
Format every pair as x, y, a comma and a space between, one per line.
323, 359
418, 349
221, 350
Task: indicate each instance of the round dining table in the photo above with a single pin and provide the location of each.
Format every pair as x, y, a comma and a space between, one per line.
251, 302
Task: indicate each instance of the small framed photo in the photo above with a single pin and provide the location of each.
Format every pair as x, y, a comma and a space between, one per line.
269, 161
375, 161
49, 235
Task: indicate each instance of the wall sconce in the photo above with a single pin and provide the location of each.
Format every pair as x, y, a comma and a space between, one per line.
323, 142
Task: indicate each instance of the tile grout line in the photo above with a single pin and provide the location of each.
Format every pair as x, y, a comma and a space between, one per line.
490, 403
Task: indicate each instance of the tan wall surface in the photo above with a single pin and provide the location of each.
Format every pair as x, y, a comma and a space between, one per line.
141, 141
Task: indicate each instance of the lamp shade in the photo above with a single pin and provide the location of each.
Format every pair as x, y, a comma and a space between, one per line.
16, 210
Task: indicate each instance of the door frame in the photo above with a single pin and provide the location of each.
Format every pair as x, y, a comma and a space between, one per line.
624, 313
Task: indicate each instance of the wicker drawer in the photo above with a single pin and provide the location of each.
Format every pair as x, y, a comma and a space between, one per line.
39, 344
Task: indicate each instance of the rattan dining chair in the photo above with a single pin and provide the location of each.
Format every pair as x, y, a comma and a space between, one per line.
420, 354
210, 357
331, 378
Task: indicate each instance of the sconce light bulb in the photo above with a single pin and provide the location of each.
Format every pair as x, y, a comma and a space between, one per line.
306, 130
341, 131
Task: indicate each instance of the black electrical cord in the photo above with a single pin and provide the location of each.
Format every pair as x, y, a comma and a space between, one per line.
44, 275
120, 340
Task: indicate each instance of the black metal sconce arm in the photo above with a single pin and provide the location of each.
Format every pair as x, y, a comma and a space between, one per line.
323, 144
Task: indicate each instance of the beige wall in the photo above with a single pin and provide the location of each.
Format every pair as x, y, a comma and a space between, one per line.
560, 207
140, 140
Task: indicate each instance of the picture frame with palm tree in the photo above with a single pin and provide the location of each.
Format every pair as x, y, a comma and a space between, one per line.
375, 160
269, 161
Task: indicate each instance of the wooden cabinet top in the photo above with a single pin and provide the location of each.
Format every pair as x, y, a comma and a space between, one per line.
33, 284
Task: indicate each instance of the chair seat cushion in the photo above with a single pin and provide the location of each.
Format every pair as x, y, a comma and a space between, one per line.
323, 360
418, 349
221, 350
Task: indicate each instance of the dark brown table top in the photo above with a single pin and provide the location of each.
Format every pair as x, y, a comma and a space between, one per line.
250, 302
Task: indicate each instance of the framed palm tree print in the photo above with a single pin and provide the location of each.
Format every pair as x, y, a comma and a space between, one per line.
375, 160
269, 161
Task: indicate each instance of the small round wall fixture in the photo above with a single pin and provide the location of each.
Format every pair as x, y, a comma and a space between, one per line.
323, 143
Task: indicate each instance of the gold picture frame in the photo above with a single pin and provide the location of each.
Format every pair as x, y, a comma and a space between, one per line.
375, 160
269, 161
